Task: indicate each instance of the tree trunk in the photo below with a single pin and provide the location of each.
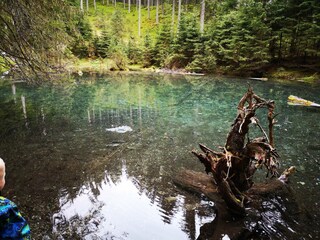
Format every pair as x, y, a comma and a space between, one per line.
173, 11
139, 18
81, 5
162, 7
203, 9
87, 5
179, 12
148, 3
129, 6
157, 12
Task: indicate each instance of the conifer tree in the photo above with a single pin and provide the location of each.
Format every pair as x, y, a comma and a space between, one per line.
241, 37
163, 44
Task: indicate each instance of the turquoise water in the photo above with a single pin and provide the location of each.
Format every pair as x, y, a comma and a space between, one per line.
94, 159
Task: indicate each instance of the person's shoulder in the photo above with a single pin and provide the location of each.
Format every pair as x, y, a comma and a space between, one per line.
12, 224
6, 202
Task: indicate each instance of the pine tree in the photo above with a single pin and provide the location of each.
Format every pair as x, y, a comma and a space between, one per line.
163, 45
240, 37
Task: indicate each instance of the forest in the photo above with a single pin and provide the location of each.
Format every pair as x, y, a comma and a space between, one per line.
242, 37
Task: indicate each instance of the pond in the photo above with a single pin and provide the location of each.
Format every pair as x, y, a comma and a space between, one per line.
94, 159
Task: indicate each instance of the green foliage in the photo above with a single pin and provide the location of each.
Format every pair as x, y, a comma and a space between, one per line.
147, 51
187, 39
295, 28
33, 34
102, 43
240, 38
4, 65
117, 48
82, 44
134, 52
204, 59
117, 27
163, 45
239, 34
84, 28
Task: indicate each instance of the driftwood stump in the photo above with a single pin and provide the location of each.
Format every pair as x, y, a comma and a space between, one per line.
233, 167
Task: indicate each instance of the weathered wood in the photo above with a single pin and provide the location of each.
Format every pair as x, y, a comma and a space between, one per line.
225, 223
200, 183
196, 182
233, 169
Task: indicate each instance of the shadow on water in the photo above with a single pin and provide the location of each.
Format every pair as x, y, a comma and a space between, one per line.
94, 159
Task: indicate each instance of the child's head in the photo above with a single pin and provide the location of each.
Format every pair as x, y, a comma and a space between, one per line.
2, 174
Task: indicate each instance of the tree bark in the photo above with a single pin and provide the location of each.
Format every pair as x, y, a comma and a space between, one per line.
157, 12
203, 8
81, 5
173, 11
139, 18
179, 12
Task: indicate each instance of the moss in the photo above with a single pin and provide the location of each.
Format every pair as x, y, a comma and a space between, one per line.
293, 74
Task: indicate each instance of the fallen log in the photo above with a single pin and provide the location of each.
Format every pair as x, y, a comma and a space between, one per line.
297, 101
254, 222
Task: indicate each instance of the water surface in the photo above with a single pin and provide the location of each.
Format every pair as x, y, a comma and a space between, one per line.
94, 159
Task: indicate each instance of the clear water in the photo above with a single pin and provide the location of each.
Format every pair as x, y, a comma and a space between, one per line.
94, 159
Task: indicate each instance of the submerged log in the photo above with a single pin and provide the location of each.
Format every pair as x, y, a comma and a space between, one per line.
226, 223
201, 183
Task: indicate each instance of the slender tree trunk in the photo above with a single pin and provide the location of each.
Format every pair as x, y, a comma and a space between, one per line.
81, 5
95, 5
173, 11
87, 3
139, 19
129, 6
203, 9
162, 7
280, 48
124, 3
115, 3
148, 4
157, 12
179, 11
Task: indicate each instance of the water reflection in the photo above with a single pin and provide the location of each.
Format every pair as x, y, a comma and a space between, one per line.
75, 179
120, 208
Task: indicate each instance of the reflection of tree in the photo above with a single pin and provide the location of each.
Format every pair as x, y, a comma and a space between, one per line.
73, 152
